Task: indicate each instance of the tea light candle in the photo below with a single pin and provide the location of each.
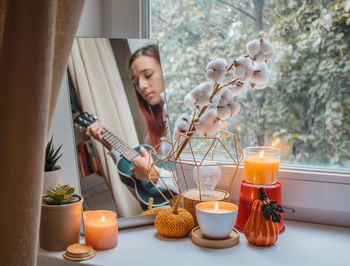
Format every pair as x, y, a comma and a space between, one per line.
101, 229
261, 164
216, 208
216, 218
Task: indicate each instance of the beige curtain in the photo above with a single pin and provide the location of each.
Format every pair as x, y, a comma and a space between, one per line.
35, 40
95, 76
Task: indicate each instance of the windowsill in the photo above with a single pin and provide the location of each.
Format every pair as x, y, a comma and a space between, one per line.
301, 244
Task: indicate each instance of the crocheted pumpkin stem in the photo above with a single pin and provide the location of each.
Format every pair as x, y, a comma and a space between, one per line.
150, 203
262, 194
177, 203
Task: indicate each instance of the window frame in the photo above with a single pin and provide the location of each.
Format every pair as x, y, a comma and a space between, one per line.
312, 184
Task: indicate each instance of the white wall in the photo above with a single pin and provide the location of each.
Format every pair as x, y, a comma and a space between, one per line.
111, 18
122, 18
91, 20
62, 132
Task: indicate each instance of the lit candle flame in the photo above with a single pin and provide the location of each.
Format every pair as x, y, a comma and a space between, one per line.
103, 218
261, 155
216, 209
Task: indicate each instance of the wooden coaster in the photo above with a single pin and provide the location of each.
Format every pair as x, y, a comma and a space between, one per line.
198, 238
78, 252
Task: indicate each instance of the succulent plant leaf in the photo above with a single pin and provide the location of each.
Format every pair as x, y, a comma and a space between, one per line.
57, 151
51, 194
55, 161
51, 155
48, 199
59, 195
50, 189
67, 196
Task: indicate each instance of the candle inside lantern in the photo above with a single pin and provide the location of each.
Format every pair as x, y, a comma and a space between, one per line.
261, 164
216, 219
101, 229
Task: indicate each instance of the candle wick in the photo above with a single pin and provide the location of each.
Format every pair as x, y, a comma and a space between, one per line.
216, 209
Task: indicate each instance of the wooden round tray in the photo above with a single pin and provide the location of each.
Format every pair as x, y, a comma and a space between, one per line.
198, 238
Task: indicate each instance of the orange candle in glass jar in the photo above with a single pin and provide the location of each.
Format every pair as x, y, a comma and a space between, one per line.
261, 167
101, 229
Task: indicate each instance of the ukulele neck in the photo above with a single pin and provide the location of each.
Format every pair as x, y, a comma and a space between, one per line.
124, 149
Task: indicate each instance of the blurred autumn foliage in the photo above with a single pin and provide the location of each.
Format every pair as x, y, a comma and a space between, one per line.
305, 110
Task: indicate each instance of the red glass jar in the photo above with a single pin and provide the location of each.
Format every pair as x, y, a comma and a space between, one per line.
247, 196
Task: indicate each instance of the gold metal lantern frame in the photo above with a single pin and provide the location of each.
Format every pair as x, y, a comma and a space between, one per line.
189, 151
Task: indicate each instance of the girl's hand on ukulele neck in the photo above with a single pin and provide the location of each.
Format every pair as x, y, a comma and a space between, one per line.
96, 130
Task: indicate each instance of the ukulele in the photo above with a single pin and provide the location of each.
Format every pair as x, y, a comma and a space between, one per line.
143, 189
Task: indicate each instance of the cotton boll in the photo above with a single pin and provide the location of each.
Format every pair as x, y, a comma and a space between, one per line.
182, 125
243, 61
218, 64
216, 70
223, 112
210, 74
225, 97
219, 76
266, 49
253, 48
177, 132
268, 57
260, 73
260, 50
259, 58
208, 123
201, 94
243, 68
235, 107
236, 89
189, 101
183, 119
230, 109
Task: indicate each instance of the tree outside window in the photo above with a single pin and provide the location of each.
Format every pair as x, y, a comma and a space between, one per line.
305, 110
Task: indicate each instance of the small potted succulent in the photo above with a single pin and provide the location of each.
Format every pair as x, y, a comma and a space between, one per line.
60, 218
52, 172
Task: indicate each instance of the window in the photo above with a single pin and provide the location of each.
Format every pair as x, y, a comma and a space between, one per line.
305, 110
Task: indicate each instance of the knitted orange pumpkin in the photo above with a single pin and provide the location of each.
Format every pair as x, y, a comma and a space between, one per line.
174, 222
262, 226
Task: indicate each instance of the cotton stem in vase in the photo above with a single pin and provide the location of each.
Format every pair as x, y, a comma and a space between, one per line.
248, 69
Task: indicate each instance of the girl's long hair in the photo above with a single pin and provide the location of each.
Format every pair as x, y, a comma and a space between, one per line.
153, 114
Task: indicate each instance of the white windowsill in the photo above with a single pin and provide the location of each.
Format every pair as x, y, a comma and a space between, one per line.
301, 244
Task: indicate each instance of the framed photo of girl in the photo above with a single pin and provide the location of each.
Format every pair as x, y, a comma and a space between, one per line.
120, 81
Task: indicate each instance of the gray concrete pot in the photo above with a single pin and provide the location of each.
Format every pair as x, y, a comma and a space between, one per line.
60, 225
